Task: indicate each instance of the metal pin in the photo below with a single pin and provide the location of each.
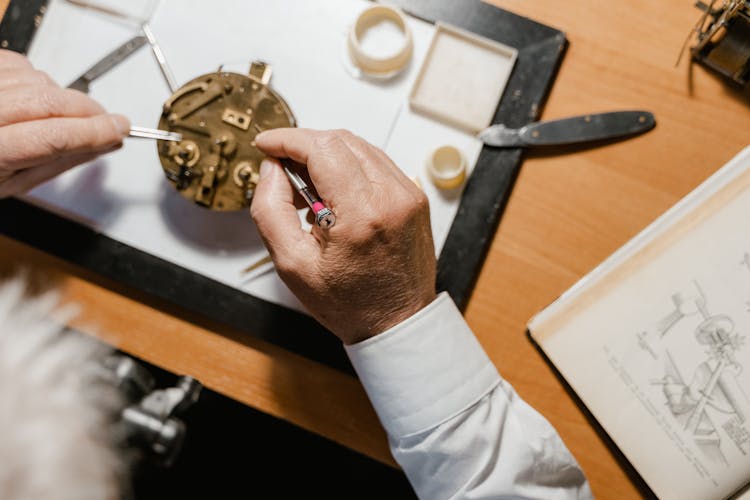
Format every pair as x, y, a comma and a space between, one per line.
150, 133
105, 10
160, 59
266, 259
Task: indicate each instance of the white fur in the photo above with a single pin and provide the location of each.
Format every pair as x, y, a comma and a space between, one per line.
55, 421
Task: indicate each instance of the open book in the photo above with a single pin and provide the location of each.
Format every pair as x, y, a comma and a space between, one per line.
656, 342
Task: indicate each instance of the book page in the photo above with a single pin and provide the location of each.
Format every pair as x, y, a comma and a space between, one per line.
660, 353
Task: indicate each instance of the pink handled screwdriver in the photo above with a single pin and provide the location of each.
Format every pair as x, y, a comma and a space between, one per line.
324, 217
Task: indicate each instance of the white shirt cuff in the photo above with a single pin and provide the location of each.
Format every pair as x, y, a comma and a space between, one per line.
425, 370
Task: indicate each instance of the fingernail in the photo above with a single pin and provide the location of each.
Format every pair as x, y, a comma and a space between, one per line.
259, 136
122, 124
265, 168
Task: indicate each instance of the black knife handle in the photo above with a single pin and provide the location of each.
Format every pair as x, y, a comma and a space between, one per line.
587, 128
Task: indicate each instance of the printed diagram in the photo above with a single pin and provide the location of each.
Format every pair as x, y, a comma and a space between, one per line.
708, 403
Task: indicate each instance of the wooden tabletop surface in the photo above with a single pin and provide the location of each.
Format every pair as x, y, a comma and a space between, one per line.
568, 211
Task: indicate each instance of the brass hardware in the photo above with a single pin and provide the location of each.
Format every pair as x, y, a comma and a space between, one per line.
219, 114
186, 153
244, 174
260, 72
237, 118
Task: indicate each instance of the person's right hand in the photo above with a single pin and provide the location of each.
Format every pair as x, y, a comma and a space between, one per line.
376, 266
45, 129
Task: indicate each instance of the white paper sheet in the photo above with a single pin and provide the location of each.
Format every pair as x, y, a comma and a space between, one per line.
654, 341
125, 195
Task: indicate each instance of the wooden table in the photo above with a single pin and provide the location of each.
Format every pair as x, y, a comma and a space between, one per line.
567, 213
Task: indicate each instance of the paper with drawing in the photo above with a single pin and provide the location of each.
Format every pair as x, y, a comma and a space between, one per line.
659, 352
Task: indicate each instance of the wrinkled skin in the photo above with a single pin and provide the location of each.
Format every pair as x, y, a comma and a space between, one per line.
45, 129
376, 266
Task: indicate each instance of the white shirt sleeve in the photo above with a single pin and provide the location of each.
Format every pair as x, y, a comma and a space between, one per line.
454, 425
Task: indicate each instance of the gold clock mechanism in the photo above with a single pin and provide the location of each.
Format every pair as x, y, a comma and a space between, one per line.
216, 164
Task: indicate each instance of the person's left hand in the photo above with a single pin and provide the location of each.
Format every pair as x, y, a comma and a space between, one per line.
45, 129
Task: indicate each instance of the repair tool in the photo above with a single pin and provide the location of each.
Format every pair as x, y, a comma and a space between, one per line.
152, 133
266, 259
150, 419
160, 59
575, 130
323, 216
723, 38
108, 62
105, 10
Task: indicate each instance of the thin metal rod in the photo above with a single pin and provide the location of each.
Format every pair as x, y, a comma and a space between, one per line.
105, 10
266, 259
160, 59
150, 133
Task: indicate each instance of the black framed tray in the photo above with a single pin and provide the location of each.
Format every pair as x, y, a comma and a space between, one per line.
540, 50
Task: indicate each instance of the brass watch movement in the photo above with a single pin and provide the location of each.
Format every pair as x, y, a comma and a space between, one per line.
216, 164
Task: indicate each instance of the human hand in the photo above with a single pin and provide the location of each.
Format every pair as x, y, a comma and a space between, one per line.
44, 129
376, 266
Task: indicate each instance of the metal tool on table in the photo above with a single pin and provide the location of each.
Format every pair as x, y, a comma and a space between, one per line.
152, 133
107, 63
148, 36
166, 71
150, 418
723, 38
575, 130
103, 9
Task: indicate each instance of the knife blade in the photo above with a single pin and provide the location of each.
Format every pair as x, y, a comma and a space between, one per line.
107, 63
574, 130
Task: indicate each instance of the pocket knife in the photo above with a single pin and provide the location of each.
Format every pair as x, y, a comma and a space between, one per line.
574, 130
